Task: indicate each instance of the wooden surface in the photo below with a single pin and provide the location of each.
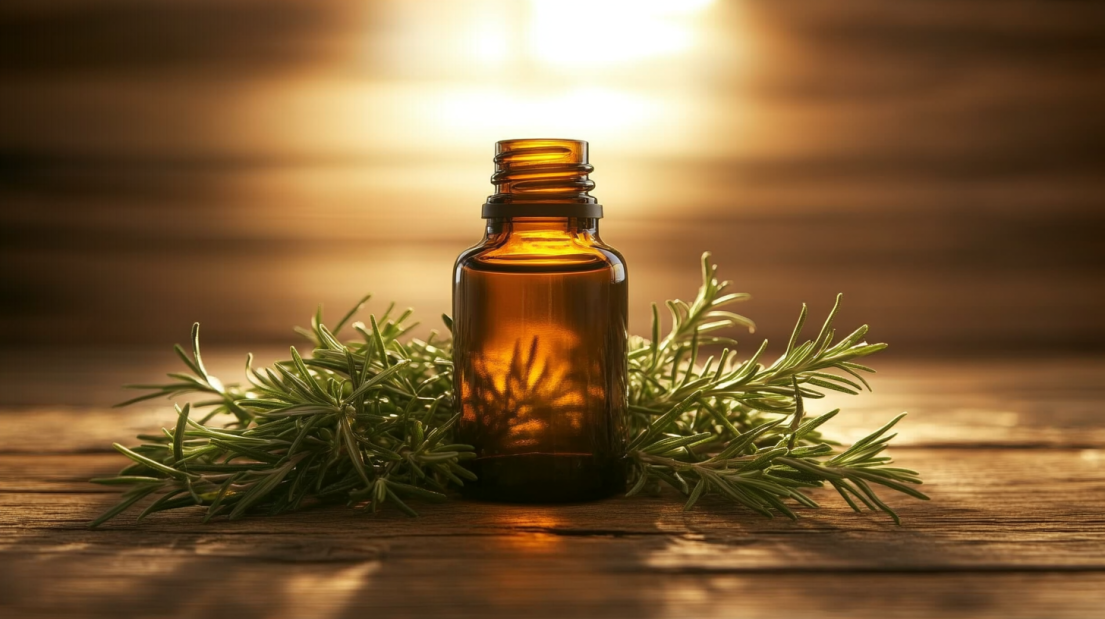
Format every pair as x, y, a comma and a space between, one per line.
1013, 452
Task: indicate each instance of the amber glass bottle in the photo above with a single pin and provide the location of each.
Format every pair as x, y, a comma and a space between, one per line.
539, 311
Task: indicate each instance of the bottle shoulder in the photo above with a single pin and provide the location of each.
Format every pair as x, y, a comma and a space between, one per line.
562, 255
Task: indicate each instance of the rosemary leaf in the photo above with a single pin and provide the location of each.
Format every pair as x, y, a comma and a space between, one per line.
371, 419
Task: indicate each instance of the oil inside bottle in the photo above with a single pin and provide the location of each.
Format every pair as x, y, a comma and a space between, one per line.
539, 354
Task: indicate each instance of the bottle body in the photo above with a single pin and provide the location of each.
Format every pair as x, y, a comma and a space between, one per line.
539, 324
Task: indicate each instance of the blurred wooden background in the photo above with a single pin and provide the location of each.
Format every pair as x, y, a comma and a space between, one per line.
238, 161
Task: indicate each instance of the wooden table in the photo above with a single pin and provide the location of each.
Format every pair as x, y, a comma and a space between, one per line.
1013, 451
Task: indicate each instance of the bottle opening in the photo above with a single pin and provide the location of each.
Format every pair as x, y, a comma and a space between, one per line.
542, 177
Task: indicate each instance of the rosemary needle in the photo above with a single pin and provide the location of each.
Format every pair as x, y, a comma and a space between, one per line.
369, 421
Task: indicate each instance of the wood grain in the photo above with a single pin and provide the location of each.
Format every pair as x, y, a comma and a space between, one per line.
1012, 453
1001, 527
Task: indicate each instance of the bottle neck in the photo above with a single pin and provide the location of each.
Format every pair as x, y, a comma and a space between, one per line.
545, 171
545, 227
542, 178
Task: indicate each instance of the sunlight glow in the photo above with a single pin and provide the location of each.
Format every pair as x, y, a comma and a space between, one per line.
486, 35
583, 111
462, 75
577, 34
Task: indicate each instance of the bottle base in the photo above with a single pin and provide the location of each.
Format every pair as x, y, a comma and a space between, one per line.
545, 478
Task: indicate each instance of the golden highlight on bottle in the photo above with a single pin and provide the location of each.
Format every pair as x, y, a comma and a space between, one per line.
539, 326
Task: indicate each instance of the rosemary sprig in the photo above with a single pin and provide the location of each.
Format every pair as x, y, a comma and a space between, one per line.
719, 427
369, 421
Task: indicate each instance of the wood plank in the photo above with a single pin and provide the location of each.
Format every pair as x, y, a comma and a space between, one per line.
1001, 527
106, 586
135, 585
1034, 509
63, 474
1045, 401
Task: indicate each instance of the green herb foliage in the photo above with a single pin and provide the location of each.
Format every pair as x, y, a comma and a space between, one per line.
369, 421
